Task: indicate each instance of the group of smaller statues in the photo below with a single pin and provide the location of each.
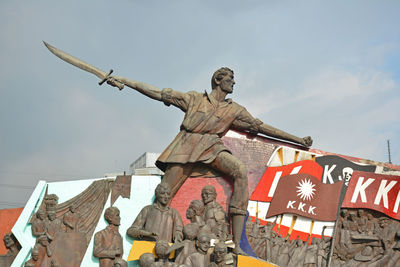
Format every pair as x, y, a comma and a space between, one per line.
163, 224
45, 226
284, 251
366, 238
363, 237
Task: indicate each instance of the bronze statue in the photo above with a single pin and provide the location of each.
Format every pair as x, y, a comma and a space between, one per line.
220, 256
146, 260
195, 212
39, 223
108, 243
190, 232
71, 219
207, 118
13, 247
214, 214
34, 259
53, 224
200, 258
158, 221
162, 250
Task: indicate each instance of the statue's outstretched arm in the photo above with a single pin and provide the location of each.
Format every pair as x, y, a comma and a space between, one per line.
274, 132
144, 88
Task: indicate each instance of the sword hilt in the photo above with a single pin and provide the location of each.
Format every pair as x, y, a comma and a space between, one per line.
117, 83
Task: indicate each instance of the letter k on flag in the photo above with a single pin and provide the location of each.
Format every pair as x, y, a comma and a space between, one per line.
305, 195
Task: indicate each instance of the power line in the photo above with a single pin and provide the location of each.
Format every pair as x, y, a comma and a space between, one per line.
12, 204
17, 186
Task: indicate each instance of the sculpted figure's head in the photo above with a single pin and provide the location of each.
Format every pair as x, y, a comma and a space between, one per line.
161, 249
40, 214
51, 215
208, 194
8, 240
35, 253
220, 250
223, 78
162, 193
43, 240
196, 208
112, 216
203, 242
146, 260
190, 231
73, 208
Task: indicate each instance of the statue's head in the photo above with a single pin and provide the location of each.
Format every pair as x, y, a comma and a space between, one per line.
73, 208
43, 240
146, 259
40, 214
162, 193
112, 216
196, 207
223, 78
190, 231
51, 214
35, 253
161, 249
220, 250
203, 241
8, 240
208, 194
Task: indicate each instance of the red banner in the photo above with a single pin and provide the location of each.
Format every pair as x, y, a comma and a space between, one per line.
374, 191
266, 187
306, 196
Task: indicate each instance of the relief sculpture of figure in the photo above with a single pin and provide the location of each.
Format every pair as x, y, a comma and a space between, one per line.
53, 224
220, 256
108, 243
195, 212
39, 224
201, 257
158, 221
190, 232
71, 219
35, 256
208, 117
214, 214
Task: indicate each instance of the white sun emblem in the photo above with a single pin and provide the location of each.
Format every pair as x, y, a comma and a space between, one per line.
305, 189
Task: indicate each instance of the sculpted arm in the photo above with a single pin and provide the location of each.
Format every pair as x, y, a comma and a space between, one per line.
144, 88
168, 96
247, 122
137, 228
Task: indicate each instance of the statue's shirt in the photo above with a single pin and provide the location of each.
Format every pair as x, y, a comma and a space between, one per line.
206, 121
166, 223
106, 242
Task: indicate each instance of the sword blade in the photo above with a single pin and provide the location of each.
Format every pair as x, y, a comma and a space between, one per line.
76, 61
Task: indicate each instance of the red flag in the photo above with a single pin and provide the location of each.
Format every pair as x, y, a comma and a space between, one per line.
305, 195
374, 191
266, 187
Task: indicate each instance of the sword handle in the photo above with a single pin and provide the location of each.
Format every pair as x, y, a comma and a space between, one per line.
118, 84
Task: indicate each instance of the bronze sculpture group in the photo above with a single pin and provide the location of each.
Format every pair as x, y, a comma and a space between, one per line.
207, 118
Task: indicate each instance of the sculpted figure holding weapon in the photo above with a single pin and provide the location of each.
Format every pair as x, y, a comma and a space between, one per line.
208, 116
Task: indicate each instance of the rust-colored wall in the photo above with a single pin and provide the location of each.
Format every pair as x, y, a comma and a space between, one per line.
8, 217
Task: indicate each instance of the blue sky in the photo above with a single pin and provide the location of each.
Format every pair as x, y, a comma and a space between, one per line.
329, 69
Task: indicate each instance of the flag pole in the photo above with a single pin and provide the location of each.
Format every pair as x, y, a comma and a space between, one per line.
294, 218
311, 228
